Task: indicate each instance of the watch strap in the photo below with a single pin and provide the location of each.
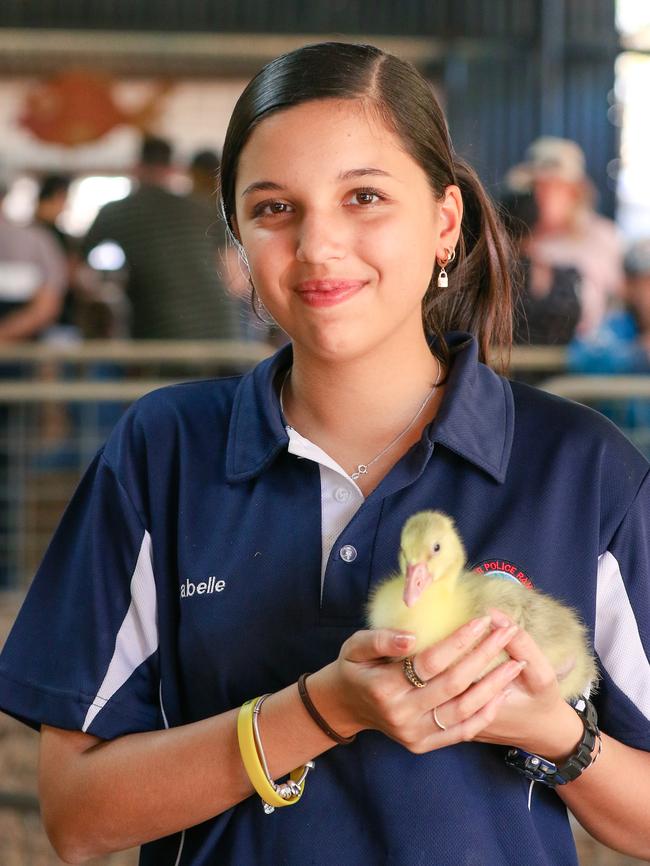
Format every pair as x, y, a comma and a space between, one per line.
540, 769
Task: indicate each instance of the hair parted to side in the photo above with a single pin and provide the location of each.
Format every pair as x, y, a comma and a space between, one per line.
479, 296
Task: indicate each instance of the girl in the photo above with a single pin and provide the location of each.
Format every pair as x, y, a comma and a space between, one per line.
224, 541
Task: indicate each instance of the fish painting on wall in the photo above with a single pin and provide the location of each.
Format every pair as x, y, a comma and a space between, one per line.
76, 107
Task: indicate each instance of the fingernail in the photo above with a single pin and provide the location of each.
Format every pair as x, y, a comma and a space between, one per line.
478, 626
403, 641
499, 618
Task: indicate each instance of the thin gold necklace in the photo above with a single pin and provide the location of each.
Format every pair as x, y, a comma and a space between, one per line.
362, 468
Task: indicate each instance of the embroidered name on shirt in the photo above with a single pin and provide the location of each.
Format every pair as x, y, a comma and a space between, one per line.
188, 589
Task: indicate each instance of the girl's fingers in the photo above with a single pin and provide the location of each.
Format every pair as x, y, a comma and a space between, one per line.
466, 705
538, 673
468, 729
455, 669
376, 644
431, 661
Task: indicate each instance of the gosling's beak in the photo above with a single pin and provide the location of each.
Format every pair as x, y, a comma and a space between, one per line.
417, 578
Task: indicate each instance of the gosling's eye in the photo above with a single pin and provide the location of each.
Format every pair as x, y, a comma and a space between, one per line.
436, 547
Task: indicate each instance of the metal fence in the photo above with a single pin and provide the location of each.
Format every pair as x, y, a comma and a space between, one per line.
63, 401
57, 409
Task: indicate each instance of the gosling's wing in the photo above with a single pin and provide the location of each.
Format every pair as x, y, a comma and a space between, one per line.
554, 626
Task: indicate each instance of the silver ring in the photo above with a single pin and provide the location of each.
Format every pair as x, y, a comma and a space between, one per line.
437, 720
410, 674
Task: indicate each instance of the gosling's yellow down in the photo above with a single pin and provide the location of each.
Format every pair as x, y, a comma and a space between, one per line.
433, 595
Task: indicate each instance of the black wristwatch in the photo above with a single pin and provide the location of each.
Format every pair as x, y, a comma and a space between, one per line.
541, 770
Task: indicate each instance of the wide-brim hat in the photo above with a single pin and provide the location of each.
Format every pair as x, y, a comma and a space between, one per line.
548, 157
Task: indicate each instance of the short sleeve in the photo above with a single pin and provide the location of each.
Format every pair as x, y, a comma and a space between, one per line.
83, 653
622, 630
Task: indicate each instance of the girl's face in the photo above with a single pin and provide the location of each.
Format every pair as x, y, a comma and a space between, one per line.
340, 226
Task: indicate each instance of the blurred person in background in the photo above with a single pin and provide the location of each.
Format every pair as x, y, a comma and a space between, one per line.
173, 286
203, 172
621, 345
253, 325
32, 283
51, 202
548, 308
622, 342
33, 277
568, 232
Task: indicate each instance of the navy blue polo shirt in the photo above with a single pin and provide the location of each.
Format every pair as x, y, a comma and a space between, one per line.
185, 578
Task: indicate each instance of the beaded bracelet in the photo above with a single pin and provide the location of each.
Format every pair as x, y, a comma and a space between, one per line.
316, 716
273, 794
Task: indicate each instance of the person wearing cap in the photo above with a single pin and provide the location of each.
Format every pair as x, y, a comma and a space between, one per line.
568, 231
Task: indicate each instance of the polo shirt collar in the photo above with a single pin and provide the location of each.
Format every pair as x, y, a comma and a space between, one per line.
475, 420
257, 433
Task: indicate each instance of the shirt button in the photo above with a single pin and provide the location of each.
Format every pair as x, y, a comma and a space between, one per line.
348, 553
341, 494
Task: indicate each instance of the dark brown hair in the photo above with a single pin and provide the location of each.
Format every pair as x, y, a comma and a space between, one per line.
479, 296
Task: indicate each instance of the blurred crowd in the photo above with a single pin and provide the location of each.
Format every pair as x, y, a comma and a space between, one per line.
156, 265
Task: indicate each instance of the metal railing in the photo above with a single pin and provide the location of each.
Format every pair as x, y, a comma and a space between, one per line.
54, 418
224, 353
625, 400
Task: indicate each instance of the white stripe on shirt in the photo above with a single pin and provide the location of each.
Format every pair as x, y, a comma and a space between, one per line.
137, 638
617, 640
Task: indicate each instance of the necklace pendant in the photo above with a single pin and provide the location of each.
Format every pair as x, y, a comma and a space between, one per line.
362, 469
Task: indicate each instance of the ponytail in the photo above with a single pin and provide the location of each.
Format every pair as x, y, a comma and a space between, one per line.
479, 296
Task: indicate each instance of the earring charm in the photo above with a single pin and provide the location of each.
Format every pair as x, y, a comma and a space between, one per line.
443, 277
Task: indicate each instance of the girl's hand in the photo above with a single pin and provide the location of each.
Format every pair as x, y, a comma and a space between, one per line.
371, 690
533, 715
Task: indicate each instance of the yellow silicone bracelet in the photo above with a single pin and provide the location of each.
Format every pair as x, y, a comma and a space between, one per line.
252, 762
